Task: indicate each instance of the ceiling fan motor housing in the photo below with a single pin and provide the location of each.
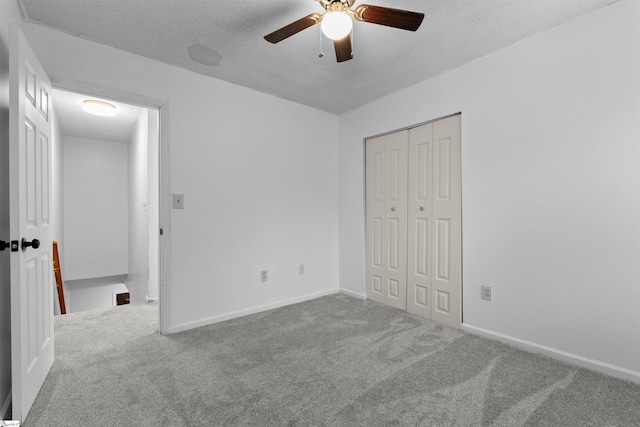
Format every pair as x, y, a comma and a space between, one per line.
344, 4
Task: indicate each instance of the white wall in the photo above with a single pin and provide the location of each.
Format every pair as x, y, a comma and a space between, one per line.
154, 204
9, 13
259, 175
95, 208
550, 178
138, 270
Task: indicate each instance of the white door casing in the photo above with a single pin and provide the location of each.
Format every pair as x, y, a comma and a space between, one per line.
386, 186
30, 190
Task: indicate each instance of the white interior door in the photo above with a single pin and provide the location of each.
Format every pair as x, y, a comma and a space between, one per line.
31, 266
386, 186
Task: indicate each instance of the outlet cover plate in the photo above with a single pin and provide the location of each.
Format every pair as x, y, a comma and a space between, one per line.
486, 293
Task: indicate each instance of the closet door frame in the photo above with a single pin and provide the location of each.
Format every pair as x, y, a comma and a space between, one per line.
440, 298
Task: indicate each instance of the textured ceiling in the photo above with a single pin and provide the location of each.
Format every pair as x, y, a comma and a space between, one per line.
229, 36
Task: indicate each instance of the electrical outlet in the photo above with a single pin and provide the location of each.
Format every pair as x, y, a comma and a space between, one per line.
301, 269
264, 275
486, 293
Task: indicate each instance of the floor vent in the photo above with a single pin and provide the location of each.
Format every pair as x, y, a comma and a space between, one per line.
123, 298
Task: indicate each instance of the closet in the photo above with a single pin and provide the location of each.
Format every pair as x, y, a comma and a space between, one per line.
413, 220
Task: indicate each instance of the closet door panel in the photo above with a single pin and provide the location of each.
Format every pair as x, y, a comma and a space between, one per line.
396, 214
446, 228
386, 183
375, 253
419, 233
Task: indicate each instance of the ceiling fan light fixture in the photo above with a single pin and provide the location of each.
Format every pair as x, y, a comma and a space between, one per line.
336, 25
99, 108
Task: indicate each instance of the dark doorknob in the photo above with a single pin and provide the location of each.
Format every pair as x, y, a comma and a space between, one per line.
4, 245
35, 244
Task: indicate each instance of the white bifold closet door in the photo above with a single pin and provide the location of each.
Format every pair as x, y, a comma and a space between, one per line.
386, 177
430, 167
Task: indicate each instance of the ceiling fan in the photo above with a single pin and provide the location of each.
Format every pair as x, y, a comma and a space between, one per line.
336, 23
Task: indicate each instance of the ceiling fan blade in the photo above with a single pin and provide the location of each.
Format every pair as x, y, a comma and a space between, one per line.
293, 28
397, 18
343, 49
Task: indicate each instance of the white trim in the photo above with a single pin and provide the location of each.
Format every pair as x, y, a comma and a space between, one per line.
573, 359
353, 293
164, 210
459, 113
95, 89
5, 406
240, 313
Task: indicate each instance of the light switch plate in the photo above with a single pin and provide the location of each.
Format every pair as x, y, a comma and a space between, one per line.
178, 201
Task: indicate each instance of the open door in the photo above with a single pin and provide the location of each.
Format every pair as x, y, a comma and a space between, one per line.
30, 191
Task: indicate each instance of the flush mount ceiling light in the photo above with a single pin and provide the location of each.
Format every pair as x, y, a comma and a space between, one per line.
99, 108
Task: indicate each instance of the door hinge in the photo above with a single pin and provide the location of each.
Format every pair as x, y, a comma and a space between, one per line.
161, 231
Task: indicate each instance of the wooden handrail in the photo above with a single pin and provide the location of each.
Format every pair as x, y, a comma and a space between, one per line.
58, 273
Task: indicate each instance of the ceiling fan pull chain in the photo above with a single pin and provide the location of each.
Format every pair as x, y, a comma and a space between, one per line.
353, 40
320, 55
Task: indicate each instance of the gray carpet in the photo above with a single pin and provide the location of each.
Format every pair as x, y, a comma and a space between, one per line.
333, 361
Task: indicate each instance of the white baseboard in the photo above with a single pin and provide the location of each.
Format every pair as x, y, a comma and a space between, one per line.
5, 406
240, 313
353, 294
573, 359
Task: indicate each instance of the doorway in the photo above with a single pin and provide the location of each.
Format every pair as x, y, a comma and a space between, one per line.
105, 200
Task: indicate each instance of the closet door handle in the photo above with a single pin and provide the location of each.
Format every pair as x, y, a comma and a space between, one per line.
4, 245
393, 209
421, 208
